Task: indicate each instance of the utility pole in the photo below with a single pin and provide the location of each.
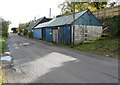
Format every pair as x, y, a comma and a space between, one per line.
73, 22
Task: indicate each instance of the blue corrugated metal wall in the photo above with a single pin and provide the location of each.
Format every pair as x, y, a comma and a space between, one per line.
49, 34
64, 35
87, 20
37, 33
34, 33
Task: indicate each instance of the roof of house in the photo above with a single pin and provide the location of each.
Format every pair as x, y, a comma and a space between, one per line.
38, 21
60, 21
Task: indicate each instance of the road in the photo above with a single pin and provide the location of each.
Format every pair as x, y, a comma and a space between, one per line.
43, 62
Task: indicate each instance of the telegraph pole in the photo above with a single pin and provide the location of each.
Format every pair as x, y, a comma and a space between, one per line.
73, 21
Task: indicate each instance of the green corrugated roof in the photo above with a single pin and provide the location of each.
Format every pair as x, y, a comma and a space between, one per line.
64, 20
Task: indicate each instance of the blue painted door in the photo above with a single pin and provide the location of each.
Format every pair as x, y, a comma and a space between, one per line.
44, 34
49, 34
61, 35
64, 35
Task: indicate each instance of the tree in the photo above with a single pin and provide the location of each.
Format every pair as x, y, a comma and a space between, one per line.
98, 5
4, 26
14, 30
67, 7
112, 4
22, 27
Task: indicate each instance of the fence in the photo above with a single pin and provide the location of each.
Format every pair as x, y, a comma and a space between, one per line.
107, 12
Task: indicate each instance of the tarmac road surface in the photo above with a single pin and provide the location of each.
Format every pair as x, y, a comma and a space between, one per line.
37, 61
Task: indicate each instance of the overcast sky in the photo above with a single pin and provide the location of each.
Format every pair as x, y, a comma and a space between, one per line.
22, 11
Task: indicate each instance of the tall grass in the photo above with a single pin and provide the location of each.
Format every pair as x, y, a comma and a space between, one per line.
2, 43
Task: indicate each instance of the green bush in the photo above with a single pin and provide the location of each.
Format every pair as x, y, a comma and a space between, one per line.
115, 18
2, 43
25, 32
30, 34
116, 26
4, 34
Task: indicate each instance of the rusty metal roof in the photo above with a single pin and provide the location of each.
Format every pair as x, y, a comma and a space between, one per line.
64, 20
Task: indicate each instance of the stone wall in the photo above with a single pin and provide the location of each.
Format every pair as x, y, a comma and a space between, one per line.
107, 12
93, 32
86, 33
78, 35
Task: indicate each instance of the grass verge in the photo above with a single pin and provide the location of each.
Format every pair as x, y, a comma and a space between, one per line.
3, 78
103, 46
2, 43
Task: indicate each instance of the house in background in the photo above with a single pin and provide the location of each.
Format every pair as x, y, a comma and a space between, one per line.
60, 30
36, 22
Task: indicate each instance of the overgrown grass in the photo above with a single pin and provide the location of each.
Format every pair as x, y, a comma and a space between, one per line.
3, 78
2, 43
103, 46
63, 45
112, 25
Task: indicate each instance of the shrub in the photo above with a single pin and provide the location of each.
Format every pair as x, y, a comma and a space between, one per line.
25, 32
30, 34
116, 26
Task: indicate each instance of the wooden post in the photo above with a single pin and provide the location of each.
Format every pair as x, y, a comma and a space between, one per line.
73, 21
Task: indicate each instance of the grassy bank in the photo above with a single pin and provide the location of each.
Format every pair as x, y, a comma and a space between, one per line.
3, 78
104, 46
2, 43
108, 45
2, 47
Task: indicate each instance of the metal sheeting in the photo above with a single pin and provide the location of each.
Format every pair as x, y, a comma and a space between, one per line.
49, 34
44, 34
60, 21
64, 35
38, 21
37, 33
32, 24
55, 35
87, 20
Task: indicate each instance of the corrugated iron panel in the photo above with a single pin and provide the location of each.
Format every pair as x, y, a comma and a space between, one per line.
61, 35
38, 21
33, 23
44, 34
34, 33
49, 34
87, 20
64, 20
37, 33
64, 35
55, 35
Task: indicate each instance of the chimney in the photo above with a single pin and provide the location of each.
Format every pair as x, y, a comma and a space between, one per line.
50, 13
